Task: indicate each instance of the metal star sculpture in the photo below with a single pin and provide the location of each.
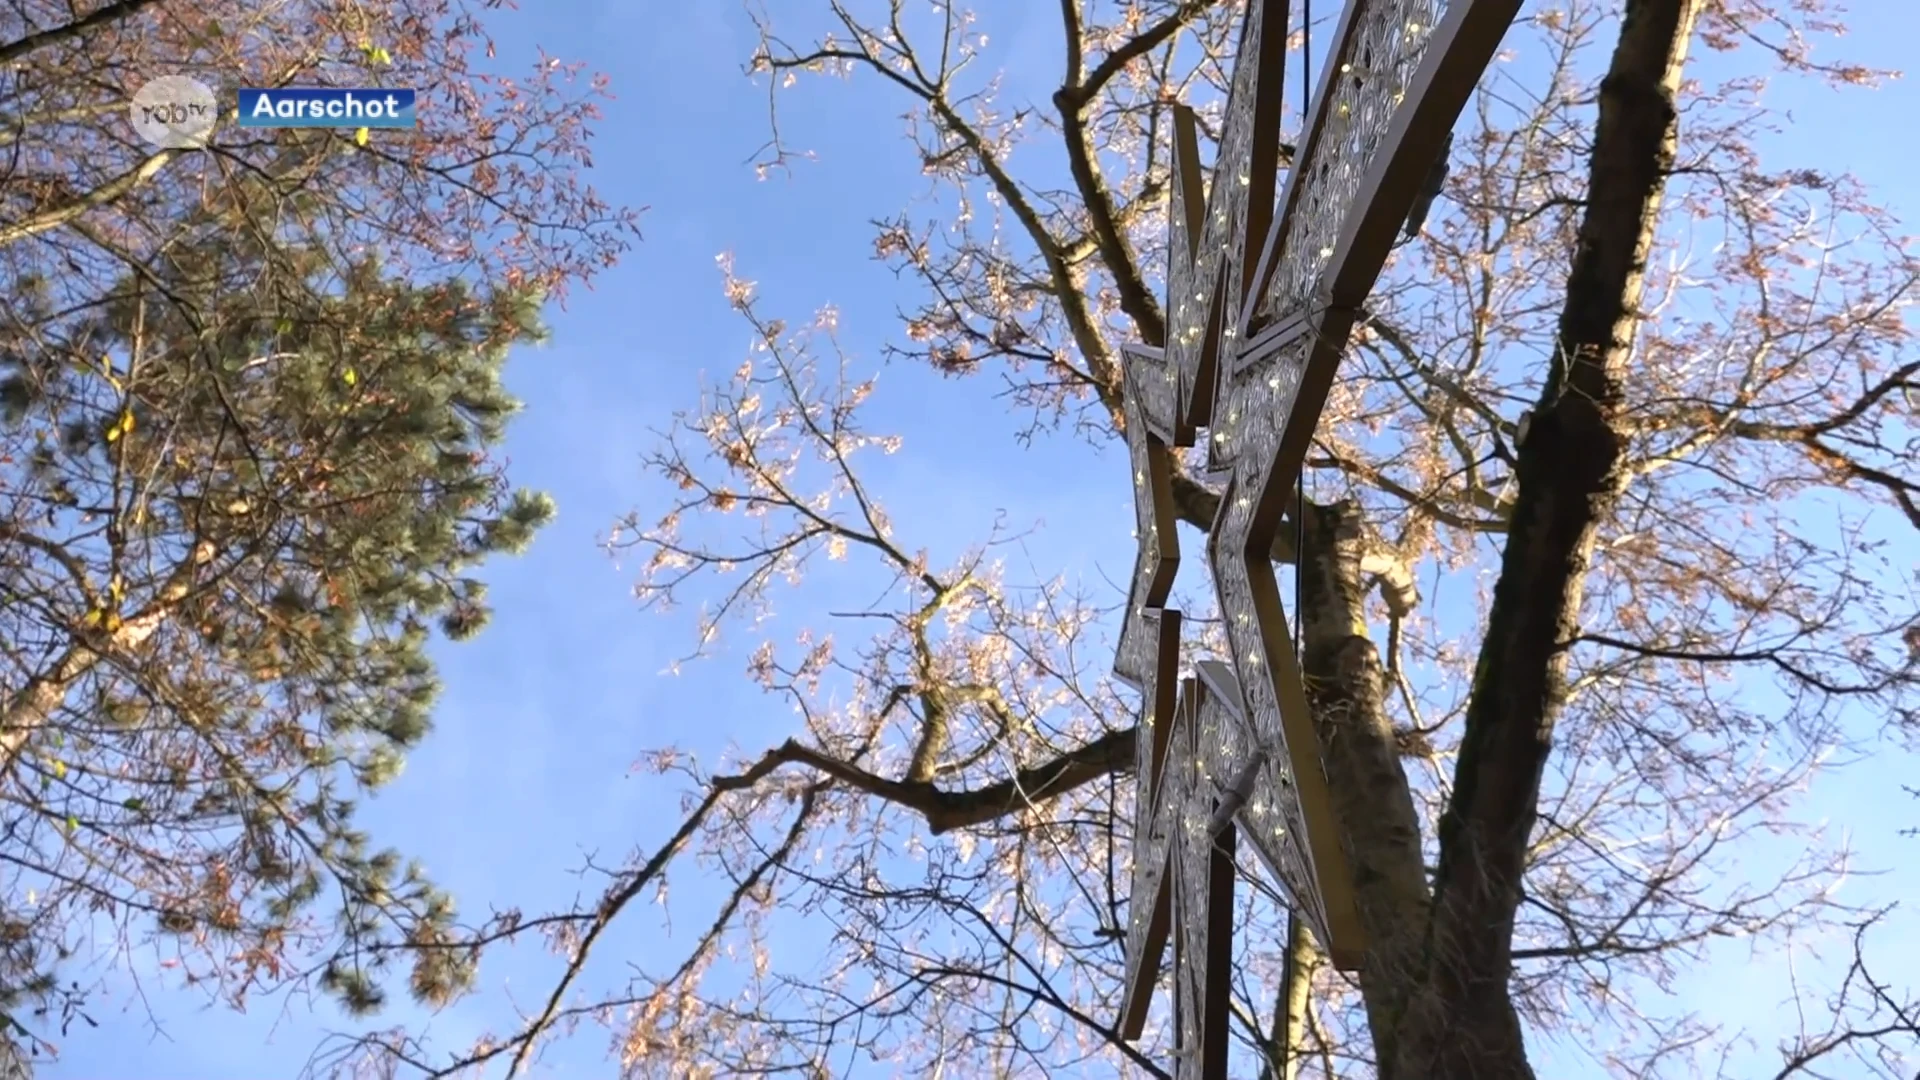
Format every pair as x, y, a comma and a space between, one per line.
1261, 298
1149, 651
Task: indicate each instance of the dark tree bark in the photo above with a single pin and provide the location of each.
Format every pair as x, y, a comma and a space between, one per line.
1463, 1024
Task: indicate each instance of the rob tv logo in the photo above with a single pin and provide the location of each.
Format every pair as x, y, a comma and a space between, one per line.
175, 112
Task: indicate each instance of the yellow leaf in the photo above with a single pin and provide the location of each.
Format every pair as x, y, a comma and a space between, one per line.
360, 137
59, 770
382, 56
351, 376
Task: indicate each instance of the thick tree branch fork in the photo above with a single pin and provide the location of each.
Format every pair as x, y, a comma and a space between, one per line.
1072, 101
944, 810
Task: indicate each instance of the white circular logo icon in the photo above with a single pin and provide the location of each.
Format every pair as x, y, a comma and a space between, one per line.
175, 112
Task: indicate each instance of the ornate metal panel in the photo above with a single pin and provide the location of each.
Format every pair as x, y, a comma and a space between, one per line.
1251, 358
1149, 652
1262, 795
1374, 59
1216, 230
1203, 895
1148, 660
1383, 111
1141, 657
1150, 912
1273, 710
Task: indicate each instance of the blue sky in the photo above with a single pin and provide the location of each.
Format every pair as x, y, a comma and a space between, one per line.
544, 712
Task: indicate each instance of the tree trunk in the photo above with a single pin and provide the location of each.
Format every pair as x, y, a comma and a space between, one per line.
1463, 1025
1347, 685
1293, 1006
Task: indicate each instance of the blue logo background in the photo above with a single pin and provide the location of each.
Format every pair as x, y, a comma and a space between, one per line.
325, 107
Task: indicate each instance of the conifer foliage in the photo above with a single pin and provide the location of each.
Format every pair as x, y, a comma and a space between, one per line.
250, 421
222, 569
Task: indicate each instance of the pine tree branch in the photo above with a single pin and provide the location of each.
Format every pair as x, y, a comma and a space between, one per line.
101, 196
28, 710
40, 39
